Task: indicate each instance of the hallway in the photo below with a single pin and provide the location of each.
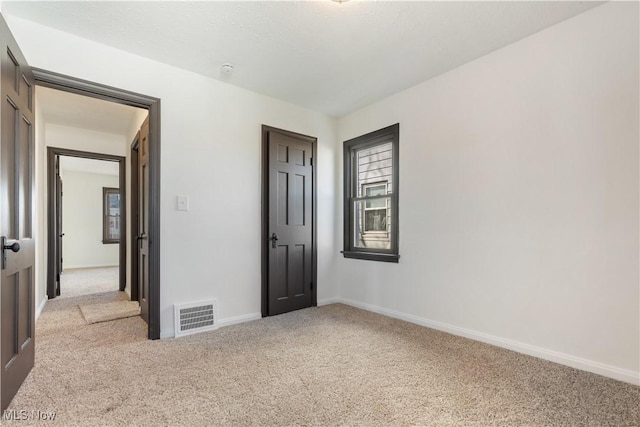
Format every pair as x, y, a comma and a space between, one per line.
87, 281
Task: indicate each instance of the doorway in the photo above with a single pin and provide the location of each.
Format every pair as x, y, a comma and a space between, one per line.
73, 85
289, 211
91, 198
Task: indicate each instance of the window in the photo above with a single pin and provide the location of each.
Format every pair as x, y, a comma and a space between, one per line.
371, 196
110, 215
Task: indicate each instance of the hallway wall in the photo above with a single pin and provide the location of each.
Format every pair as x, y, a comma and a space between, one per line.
82, 221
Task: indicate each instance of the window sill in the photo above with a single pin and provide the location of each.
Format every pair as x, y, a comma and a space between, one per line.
371, 256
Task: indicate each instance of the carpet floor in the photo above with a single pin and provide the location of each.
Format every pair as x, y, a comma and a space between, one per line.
332, 365
105, 312
84, 281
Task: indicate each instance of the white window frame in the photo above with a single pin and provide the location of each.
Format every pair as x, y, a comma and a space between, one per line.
386, 208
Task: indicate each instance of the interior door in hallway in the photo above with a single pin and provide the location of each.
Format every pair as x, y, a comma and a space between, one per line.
289, 240
133, 186
17, 311
143, 220
58, 224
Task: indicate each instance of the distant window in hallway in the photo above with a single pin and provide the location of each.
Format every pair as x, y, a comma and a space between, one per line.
111, 215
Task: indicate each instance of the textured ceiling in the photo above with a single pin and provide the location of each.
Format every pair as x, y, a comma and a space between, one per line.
323, 55
67, 109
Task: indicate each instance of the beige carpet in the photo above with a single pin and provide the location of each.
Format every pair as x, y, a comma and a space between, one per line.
327, 366
85, 281
105, 312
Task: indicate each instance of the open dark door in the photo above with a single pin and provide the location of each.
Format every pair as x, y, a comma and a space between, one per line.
17, 311
143, 220
135, 219
289, 240
58, 223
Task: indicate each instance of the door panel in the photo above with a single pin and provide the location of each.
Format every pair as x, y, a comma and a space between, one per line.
135, 257
143, 220
290, 231
16, 219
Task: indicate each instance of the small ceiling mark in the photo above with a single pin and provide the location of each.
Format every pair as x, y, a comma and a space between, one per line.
226, 69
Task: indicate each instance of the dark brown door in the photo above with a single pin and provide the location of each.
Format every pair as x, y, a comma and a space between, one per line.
290, 231
135, 220
16, 218
58, 231
143, 220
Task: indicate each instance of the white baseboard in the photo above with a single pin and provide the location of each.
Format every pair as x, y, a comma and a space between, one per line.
531, 350
327, 301
239, 319
80, 267
41, 307
221, 323
167, 334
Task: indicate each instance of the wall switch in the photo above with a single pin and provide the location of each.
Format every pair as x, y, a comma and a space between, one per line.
183, 203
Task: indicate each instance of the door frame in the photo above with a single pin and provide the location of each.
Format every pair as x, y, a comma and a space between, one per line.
52, 153
264, 229
78, 86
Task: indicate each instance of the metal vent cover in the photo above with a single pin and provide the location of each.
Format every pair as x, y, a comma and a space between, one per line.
195, 317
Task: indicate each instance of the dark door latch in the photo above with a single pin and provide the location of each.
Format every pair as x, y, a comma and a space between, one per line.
11, 245
274, 239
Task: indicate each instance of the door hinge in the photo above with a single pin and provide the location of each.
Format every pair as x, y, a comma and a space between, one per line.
311, 285
311, 161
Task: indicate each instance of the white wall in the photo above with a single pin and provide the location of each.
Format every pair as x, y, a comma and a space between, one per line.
519, 197
82, 221
73, 138
210, 151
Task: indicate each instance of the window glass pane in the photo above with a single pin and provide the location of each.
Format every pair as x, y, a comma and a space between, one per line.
372, 225
375, 220
377, 203
111, 215
114, 204
114, 228
375, 190
374, 165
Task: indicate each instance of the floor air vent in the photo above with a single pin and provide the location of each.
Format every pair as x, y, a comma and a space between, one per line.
196, 317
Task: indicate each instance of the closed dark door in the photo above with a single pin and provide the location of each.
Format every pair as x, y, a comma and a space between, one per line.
16, 218
143, 221
290, 233
58, 231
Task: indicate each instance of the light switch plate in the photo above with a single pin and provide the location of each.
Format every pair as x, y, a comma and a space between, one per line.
183, 203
